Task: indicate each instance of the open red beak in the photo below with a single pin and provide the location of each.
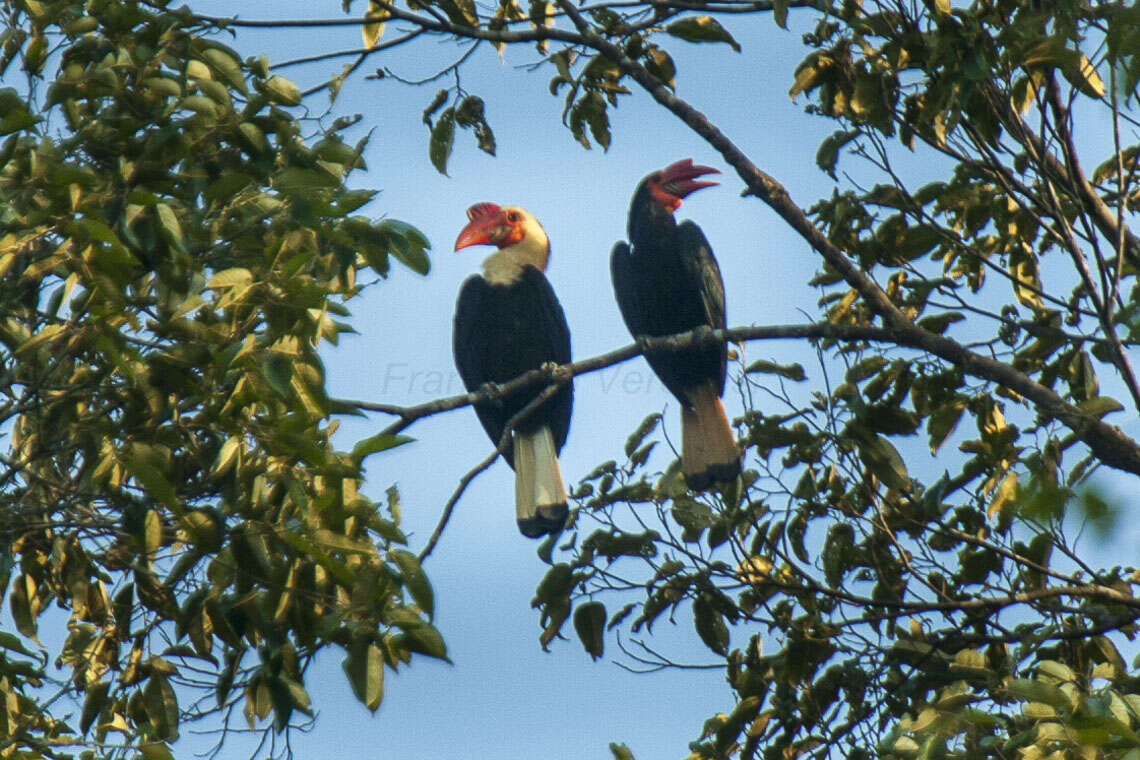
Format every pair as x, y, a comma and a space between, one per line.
485, 224
680, 179
477, 232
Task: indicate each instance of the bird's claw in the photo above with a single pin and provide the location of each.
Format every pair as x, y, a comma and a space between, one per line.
702, 333
555, 371
492, 392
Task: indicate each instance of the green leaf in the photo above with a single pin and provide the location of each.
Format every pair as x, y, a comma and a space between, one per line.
44, 335
780, 13
590, 111
660, 65
647, 426
790, 371
93, 704
8, 641
710, 625
161, 707
295, 180
142, 467
255, 137
621, 752
332, 541
937, 323
156, 751
364, 667
226, 64
230, 278
1100, 406
590, 624
281, 90
409, 245
942, 422
441, 141
227, 456
277, 369
827, 157
1083, 75
152, 535
555, 585
414, 580
435, 104
883, 460
701, 29
23, 602
425, 640
377, 443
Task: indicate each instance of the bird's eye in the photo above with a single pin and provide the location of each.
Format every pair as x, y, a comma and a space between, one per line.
512, 216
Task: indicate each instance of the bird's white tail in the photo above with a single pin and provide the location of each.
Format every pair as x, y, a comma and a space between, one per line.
708, 448
540, 497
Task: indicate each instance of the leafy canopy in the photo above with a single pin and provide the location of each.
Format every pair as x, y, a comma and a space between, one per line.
176, 242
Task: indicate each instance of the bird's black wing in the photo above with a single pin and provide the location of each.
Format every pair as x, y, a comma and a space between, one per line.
550, 335
468, 344
703, 274
625, 288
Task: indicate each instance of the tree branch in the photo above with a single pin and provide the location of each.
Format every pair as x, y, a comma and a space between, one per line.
1109, 444
693, 339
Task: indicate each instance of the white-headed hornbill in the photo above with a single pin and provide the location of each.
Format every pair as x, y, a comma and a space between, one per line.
667, 281
508, 321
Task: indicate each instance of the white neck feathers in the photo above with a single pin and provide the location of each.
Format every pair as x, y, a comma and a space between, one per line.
505, 265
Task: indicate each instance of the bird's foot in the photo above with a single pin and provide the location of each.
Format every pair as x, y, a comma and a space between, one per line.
642, 343
491, 392
556, 372
702, 334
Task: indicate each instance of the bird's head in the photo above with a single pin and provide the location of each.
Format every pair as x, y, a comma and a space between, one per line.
676, 181
503, 227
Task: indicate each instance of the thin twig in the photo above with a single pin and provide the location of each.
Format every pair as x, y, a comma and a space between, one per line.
559, 379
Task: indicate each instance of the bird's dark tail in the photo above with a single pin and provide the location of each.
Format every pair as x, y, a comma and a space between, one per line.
708, 448
541, 505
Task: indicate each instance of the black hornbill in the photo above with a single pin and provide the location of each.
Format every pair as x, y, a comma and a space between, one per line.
667, 281
508, 321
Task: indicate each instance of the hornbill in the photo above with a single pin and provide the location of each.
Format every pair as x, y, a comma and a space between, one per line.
508, 321
667, 281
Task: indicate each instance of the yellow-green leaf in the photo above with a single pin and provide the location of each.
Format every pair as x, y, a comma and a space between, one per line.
701, 29
168, 220
372, 31
414, 580
282, 91
1100, 406
364, 667
1082, 74
230, 278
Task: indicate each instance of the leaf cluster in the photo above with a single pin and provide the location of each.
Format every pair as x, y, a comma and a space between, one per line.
175, 244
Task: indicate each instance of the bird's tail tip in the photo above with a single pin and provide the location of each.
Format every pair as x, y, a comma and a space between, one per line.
723, 472
541, 503
708, 453
548, 518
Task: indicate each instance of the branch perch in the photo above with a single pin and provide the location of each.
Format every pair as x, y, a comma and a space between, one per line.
1108, 442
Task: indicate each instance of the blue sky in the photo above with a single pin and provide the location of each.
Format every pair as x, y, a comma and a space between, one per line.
504, 697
